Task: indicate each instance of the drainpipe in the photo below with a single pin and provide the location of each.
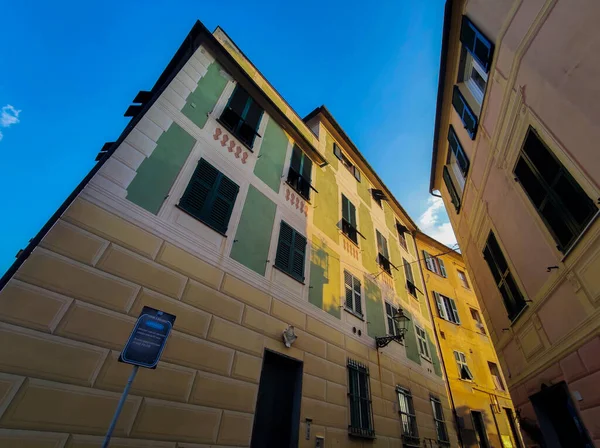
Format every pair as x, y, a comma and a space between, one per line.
437, 340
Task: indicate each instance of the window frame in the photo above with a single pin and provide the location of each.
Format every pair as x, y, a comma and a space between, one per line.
241, 119
478, 321
293, 180
351, 167
422, 342
471, 63
514, 305
408, 417
462, 365
360, 403
356, 299
447, 308
496, 379
401, 235
550, 196
389, 318
439, 421
435, 264
462, 276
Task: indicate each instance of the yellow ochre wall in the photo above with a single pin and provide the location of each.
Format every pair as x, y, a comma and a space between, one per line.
480, 393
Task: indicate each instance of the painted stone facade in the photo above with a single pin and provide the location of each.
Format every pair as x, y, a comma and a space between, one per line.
530, 238
459, 324
127, 240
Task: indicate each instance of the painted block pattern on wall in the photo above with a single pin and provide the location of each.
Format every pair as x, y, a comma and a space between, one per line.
369, 251
269, 166
327, 203
374, 306
202, 100
156, 174
253, 235
324, 291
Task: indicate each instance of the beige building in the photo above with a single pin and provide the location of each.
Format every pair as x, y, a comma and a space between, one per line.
516, 162
220, 205
477, 388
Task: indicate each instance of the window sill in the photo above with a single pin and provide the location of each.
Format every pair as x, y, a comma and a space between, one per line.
245, 145
354, 313
307, 200
288, 274
200, 220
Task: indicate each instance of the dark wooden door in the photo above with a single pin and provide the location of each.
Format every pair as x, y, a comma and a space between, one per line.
277, 418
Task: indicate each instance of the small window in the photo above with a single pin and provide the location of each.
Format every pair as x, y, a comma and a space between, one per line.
390, 312
496, 378
353, 294
463, 279
408, 418
477, 44
438, 419
435, 264
474, 76
465, 112
349, 220
378, 196
410, 280
242, 116
511, 294
559, 200
346, 162
402, 230
446, 308
422, 341
464, 372
291, 250
210, 197
383, 257
478, 322
300, 173
359, 394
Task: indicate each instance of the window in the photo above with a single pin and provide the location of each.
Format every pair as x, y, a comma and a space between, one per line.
390, 312
478, 322
465, 112
496, 378
300, 173
446, 308
511, 294
454, 196
353, 293
401, 234
291, 249
457, 162
378, 196
464, 373
242, 116
474, 76
383, 257
361, 417
422, 340
560, 201
438, 419
210, 196
349, 220
410, 433
463, 279
480, 433
435, 264
479, 46
346, 161
410, 281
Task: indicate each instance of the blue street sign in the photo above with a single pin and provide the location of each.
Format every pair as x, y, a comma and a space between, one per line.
148, 338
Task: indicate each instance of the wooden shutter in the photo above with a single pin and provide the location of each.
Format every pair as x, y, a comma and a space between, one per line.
454, 311
442, 267
345, 208
408, 272
296, 160
356, 174
349, 290
306, 169
337, 151
210, 196
382, 245
284, 247
465, 112
476, 43
459, 152
357, 296
440, 305
451, 189
298, 256
428, 261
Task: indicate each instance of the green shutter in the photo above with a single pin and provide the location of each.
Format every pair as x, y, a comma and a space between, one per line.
434, 355
210, 196
410, 341
408, 271
465, 112
291, 250
442, 267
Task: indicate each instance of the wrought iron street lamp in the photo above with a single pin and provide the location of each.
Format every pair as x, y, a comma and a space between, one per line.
401, 321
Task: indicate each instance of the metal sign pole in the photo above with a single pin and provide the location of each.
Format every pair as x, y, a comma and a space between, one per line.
113, 423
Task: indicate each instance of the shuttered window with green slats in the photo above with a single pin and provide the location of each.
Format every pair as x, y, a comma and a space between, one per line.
349, 220
210, 196
291, 251
353, 294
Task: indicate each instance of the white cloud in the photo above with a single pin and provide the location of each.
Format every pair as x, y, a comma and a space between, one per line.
434, 222
9, 116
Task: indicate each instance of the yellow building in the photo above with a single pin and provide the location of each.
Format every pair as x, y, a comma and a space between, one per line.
484, 410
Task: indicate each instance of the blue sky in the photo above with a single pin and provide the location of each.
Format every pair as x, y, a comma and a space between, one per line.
70, 69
